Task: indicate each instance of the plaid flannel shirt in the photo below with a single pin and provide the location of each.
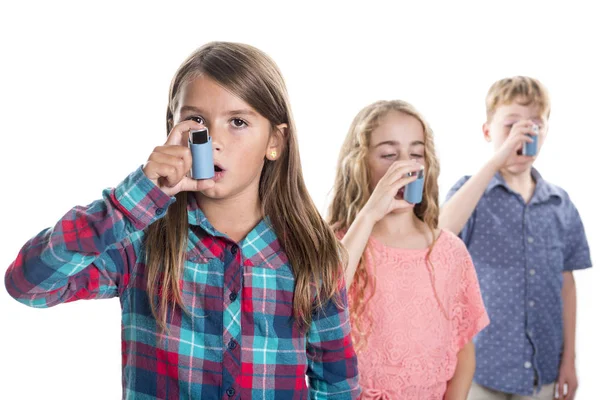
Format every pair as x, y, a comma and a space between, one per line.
239, 339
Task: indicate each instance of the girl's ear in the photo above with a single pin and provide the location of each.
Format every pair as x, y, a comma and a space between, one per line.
276, 142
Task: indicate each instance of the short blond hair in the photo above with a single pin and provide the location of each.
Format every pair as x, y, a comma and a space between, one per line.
521, 89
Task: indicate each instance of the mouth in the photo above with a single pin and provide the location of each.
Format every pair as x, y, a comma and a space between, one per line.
219, 167
219, 172
520, 158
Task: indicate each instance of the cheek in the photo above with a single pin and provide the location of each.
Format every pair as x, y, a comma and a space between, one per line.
376, 171
250, 158
247, 167
245, 156
498, 136
374, 179
250, 145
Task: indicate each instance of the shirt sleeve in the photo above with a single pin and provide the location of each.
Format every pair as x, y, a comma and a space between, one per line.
332, 365
468, 314
88, 252
465, 233
577, 250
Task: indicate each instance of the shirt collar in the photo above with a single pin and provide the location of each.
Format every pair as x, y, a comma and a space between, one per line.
544, 191
260, 247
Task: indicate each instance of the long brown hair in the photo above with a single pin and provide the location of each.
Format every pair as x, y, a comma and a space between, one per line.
351, 192
315, 255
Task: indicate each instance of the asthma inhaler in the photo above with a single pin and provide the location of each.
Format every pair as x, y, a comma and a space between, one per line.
530, 149
200, 144
413, 192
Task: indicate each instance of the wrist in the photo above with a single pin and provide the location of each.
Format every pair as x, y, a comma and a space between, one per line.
366, 217
568, 357
494, 164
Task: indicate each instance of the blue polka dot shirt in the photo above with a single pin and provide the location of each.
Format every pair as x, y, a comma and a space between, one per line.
520, 252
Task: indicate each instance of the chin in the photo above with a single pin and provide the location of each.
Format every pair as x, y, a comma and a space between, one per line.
520, 168
215, 193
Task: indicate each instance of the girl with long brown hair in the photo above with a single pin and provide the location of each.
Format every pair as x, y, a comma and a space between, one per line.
229, 287
414, 298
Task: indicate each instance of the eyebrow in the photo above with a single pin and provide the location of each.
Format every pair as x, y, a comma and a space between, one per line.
513, 115
396, 143
539, 117
243, 112
193, 109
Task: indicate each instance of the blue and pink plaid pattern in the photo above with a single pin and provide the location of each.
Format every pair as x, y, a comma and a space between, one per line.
238, 340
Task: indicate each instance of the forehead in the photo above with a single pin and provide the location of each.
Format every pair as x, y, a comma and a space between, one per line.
518, 110
205, 93
399, 127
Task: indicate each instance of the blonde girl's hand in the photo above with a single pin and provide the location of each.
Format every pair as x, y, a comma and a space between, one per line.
383, 199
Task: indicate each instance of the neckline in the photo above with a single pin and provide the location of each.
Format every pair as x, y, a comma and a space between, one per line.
378, 244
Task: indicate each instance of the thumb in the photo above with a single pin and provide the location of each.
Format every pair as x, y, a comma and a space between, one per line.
195, 185
560, 387
395, 204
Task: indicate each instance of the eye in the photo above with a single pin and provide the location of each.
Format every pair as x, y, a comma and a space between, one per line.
238, 123
196, 118
388, 156
416, 156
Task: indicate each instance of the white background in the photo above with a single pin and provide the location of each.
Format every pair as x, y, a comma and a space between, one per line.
83, 96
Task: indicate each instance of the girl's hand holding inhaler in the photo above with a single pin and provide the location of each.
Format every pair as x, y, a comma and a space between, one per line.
389, 194
169, 165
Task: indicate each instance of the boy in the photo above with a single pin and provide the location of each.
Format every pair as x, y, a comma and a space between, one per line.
525, 237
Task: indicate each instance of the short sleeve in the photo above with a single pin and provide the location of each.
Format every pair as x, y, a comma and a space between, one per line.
577, 250
468, 315
465, 233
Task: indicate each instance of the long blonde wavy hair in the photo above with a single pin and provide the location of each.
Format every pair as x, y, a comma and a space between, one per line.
351, 192
315, 255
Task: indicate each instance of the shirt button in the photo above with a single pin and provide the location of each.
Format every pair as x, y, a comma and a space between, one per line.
527, 364
530, 239
232, 344
532, 272
160, 211
234, 250
230, 392
232, 296
531, 303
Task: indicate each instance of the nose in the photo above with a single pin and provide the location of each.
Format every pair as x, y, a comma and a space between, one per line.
217, 136
403, 155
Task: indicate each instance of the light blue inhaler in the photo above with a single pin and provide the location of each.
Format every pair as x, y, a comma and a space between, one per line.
413, 192
200, 144
530, 149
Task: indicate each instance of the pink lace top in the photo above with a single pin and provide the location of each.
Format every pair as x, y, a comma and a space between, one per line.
411, 351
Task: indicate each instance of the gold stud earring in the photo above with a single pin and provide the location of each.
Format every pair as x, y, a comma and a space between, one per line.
273, 154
